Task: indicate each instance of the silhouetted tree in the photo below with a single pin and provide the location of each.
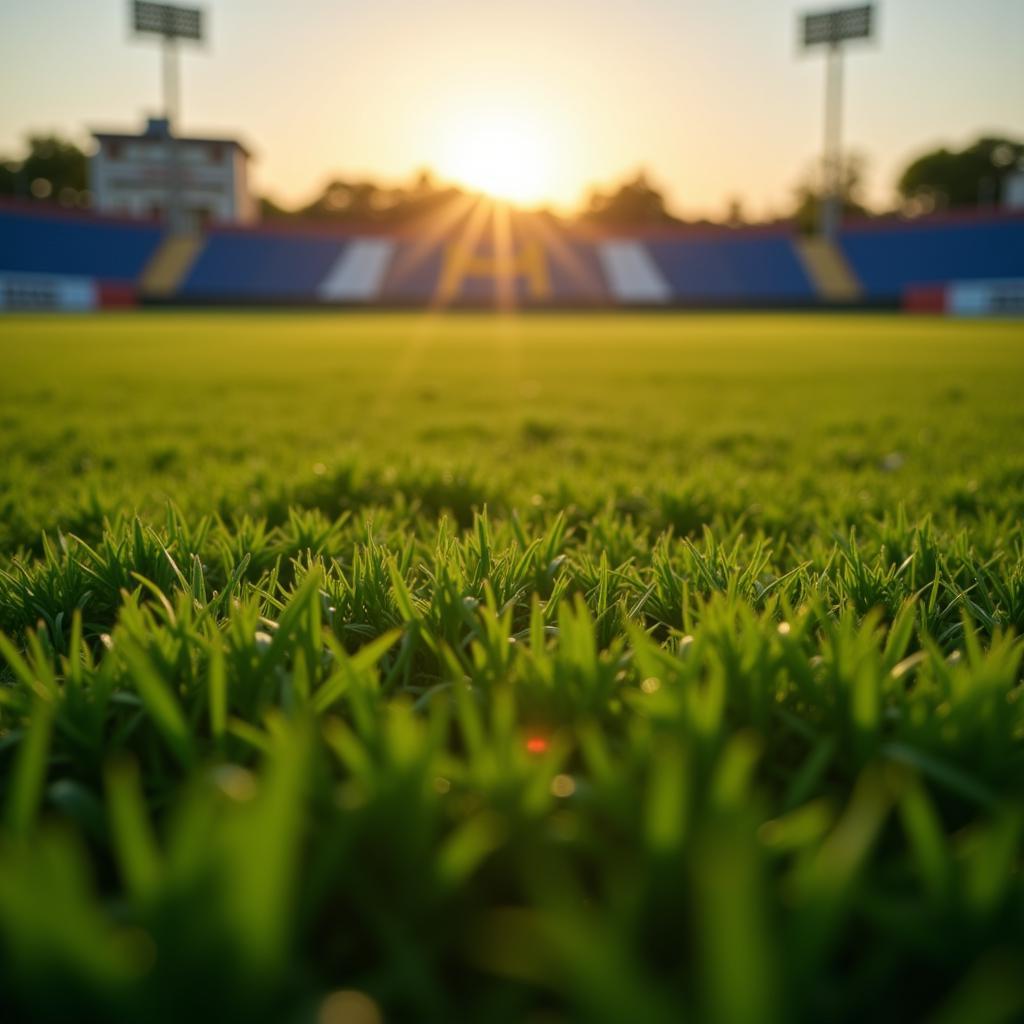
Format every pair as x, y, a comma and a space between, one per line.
734, 213
367, 202
271, 210
634, 202
972, 176
809, 193
54, 169
9, 170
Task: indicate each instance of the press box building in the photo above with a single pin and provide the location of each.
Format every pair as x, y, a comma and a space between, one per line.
131, 175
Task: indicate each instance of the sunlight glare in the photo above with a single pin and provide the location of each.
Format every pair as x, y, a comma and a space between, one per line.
501, 153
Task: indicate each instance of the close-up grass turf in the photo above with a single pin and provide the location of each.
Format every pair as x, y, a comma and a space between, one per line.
548, 669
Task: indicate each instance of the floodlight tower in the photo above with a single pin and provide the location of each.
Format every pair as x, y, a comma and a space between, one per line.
171, 24
832, 29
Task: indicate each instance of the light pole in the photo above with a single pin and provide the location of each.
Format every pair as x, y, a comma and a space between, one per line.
832, 29
171, 24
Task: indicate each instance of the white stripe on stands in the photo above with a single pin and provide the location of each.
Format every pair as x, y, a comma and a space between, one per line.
358, 273
632, 274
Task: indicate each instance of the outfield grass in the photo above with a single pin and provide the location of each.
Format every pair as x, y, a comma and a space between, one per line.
511, 669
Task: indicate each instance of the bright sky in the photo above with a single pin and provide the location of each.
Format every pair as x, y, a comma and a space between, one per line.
535, 98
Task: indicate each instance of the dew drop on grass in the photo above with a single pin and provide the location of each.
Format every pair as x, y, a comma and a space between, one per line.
349, 1006
563, 786
234, 782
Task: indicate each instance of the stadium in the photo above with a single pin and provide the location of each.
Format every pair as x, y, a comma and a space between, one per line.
437, 597
484, 255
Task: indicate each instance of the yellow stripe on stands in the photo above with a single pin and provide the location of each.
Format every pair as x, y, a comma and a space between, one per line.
828, 270
527, 262
170, 264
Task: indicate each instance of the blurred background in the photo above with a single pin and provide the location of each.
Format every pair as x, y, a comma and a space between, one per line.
482, 154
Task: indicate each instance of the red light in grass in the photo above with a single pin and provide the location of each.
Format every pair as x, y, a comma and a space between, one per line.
536, 744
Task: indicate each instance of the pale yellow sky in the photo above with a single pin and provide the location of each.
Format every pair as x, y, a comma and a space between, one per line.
711, 97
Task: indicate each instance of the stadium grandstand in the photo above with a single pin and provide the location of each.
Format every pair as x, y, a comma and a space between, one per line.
173, 221
484, 254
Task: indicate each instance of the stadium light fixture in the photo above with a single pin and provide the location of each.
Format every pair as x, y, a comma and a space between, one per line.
171, 23
832, 29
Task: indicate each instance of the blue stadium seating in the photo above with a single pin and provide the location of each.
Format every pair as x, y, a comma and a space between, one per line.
889, 257
55, 243
413, 275
570, 266
743, 267
733, 267
573, 272
576, 274
257, 265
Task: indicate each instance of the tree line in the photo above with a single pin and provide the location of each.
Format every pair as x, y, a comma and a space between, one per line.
55, 170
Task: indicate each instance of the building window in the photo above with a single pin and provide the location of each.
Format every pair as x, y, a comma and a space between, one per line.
114, 150
216, 152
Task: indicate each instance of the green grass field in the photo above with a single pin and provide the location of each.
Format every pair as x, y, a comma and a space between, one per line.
492, 669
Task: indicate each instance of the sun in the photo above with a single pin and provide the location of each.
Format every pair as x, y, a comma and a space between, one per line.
501, 153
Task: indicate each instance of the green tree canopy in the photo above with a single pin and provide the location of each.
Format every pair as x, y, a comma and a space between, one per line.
53, 169
809, 194
368, 202
633, 202
973, 176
